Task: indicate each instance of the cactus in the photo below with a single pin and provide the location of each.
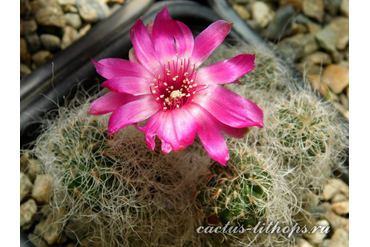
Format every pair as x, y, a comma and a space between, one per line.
263, 75
306, 130
84, 176
147, 197
237, 193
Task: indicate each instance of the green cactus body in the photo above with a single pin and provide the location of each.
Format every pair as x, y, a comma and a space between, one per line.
263, 75
236, 193
302, 128
86, 161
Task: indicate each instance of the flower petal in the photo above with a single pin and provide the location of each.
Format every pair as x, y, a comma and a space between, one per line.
150, 129
171, 37
211, 136
131, 85
163, 36
176, 128
133, 112
166, 147
144, 48
229, 108
109, 102
184, 41
116, 67
208, 40
226, 71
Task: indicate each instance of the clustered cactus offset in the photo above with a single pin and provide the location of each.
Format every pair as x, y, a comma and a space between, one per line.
237, 193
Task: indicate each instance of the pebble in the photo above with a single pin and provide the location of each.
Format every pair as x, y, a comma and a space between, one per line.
115, 1
33, 42
70, 35
242, 1
341, 208
33, 168
27, 213
41, 57
346, 227
296, 4
341, 27
262, 13
335, 221
280, 23
24, 70
344, 8
24, 55
48, 13
318, 57
347, 91
297, 46
337, 77
301, 242
316, 83
21, 26
339, 238
332, 6
67, 2
339, 197
344, 100
84, 30
337, 56
69, 8
73, 20
70, 245
302, 19
41, 190
25, 7
313, 9
37, 240
342, 109
327, 39
50, 42
313, 28
332, 187
308, 68
93, 10
318, 236
51, 226
29, 26
242, 11
25, 186
296, 28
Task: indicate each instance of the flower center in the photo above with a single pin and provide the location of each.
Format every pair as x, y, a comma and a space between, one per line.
176, 86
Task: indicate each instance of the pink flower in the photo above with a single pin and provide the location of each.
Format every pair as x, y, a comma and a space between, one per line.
161, 82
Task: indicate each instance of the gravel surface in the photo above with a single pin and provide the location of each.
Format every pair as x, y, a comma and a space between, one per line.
49, 26
313, 35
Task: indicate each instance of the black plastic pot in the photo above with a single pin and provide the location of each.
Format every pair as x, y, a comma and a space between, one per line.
41, 90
